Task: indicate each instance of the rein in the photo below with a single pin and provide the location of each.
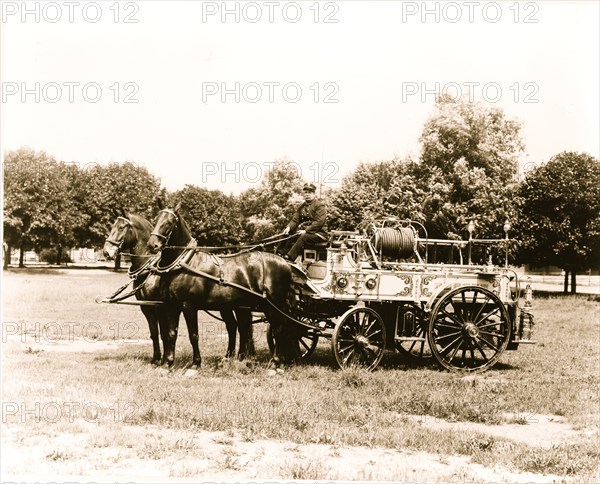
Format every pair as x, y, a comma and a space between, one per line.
245, 289
274, 239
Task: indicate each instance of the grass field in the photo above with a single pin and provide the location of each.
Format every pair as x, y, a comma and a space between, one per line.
81, 399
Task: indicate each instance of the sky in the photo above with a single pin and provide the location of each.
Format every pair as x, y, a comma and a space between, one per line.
212, 93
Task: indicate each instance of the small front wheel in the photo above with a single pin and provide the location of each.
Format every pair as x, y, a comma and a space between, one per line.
359, 339
307, 342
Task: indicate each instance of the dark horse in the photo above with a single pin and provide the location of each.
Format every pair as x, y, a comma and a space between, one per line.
130, 234
194, 280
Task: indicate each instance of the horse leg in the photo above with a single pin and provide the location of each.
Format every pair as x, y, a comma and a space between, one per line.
172, 314
191, 319
286, 337
152, 318
163, 324
244, 319
231, 324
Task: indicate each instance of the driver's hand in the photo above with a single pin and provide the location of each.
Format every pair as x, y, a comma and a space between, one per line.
300, 232
286, 231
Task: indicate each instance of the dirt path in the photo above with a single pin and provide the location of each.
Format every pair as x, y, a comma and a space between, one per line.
107, 455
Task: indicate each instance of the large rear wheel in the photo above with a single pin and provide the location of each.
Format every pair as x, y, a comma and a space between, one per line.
469, 329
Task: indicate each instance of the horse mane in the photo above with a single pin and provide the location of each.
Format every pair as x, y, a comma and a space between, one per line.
140, 222
185, 228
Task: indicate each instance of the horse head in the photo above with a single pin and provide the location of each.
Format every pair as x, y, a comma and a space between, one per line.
120, 235
168, 223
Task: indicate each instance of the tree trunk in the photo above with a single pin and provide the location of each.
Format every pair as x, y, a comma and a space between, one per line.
6, 259
59, 254
573, 281
21, 255
117, 263
566, 285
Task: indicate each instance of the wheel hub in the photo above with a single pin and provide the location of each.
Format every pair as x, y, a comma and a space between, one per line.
361, 341
471, 330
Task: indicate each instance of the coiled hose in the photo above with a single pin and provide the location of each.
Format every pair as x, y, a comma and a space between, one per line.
398, 243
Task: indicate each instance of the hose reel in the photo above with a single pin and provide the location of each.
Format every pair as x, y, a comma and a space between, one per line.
398, 243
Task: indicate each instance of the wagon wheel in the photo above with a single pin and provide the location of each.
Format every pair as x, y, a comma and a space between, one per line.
359, 338
469, 329
417, 349
307, 342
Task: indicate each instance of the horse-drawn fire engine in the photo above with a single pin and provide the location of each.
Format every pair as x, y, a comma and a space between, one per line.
386, 286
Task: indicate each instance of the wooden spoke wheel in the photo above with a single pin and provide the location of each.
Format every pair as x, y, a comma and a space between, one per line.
418, 349
469, 329
359, 339
307, 343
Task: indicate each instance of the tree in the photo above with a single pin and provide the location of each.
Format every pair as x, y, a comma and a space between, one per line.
214, 218
469, 161
38, 209
106, 191
477, 134
364, 194
559, 216
268, 208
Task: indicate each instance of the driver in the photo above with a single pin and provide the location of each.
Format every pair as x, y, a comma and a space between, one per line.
309, 222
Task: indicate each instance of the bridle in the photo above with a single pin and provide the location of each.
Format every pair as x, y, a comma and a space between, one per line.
168, 236
119, 244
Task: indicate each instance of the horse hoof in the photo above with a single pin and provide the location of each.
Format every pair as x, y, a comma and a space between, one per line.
271, 372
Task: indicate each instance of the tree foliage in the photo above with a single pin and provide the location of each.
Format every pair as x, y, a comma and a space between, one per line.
268, 208
559, 216
214, 218
477, 134
375, 190
469, 161
39, 211
105, 191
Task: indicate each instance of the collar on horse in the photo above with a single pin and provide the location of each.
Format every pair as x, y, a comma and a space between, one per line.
183, 258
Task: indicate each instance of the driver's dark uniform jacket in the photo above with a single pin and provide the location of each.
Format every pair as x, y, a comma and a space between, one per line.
311, 217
